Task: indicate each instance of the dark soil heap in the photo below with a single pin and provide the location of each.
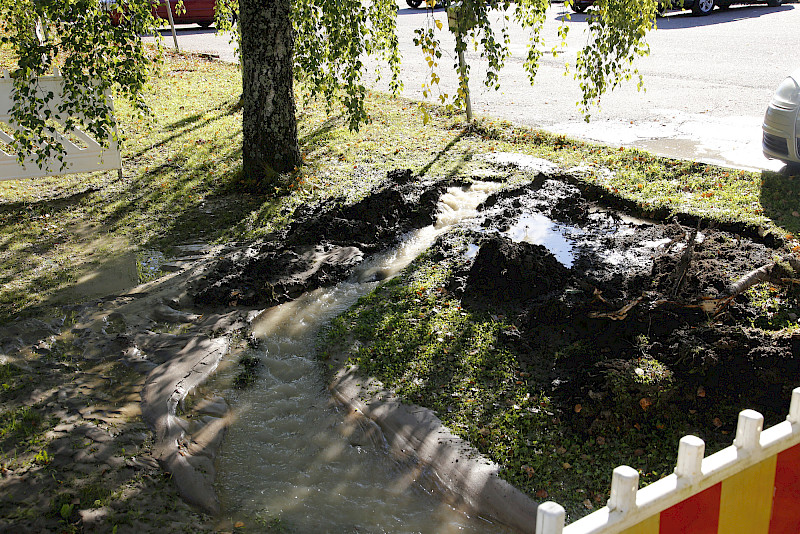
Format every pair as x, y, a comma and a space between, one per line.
322, 247
635, 329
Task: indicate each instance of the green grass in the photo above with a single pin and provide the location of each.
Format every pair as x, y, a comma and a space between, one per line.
182, 169
413, 335
181, 184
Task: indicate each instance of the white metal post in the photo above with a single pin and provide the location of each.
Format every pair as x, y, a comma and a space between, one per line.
172, 25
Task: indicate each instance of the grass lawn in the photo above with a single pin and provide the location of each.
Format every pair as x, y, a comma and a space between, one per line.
179, 185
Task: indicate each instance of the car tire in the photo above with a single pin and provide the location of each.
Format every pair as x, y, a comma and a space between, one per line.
414, 3
579, 8
774, 3
204, 24
702, 8
723, 4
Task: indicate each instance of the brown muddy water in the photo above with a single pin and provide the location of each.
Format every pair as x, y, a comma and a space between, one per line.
291, 454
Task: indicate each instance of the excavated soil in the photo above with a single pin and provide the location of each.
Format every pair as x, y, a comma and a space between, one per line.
620, 316
614, 313
630, 325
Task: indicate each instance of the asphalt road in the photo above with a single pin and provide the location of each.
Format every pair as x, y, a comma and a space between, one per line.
708, 80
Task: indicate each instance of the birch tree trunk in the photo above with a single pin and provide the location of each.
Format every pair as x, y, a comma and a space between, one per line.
269, 126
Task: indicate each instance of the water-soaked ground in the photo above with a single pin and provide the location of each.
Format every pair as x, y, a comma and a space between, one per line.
620, 317
573, 273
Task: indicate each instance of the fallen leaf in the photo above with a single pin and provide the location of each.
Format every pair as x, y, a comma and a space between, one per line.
530, 471
645, 403
238, 524
601, 440
541, 494
717, 422
578, 408
561, 450
566, 465
701, 391
588, 504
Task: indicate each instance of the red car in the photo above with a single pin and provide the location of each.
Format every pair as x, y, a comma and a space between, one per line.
199, 12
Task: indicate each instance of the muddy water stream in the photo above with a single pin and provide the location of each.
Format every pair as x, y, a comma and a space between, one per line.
290, 454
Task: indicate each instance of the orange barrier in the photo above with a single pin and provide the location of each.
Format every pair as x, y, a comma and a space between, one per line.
751, 487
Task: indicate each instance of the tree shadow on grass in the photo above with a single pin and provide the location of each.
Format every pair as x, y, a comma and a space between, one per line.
780, 198
439, 155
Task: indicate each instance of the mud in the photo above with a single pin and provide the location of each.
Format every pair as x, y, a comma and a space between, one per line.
322, 247
598, 294
631, 292
611, 313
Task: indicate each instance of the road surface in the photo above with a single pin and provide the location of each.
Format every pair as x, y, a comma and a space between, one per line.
708, 80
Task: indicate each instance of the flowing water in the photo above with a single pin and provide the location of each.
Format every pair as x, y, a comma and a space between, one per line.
290, 454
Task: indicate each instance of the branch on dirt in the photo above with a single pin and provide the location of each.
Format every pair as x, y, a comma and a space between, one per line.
684, 262
618, 315
778, 272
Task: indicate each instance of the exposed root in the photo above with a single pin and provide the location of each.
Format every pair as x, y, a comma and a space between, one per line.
618, 315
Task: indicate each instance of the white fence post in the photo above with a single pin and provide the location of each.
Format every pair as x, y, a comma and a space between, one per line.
794, 407
690, 457
550, 518
748, 430
624, 485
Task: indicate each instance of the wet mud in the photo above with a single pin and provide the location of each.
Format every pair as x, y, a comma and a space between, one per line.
612, 312
322, 247
629, 325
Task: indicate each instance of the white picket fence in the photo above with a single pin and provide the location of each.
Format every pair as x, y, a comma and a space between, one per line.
83, 153
743, 477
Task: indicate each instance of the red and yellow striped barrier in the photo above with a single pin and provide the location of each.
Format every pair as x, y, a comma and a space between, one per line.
751, 487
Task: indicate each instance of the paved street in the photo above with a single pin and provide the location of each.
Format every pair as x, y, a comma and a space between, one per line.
708, 79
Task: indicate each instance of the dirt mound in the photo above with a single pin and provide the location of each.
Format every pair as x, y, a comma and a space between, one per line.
629, 325
322, 248
506, 274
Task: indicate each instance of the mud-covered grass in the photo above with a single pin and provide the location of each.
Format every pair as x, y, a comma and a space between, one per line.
182, 166
180, 184
554, 442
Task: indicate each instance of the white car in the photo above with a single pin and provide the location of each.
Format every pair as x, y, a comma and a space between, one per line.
782, 124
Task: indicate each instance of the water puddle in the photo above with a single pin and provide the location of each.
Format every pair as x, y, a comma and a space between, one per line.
537, 229
291, 455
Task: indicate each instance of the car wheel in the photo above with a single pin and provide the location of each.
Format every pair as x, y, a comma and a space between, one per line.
774, 3
204, 24
579, 8
414, 3
723, 4
702, 7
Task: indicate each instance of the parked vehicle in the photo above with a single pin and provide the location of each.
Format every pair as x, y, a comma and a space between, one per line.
698, 7
781, 126
200, 12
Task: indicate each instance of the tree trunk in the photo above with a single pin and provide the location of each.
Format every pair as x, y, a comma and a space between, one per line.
269, 126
